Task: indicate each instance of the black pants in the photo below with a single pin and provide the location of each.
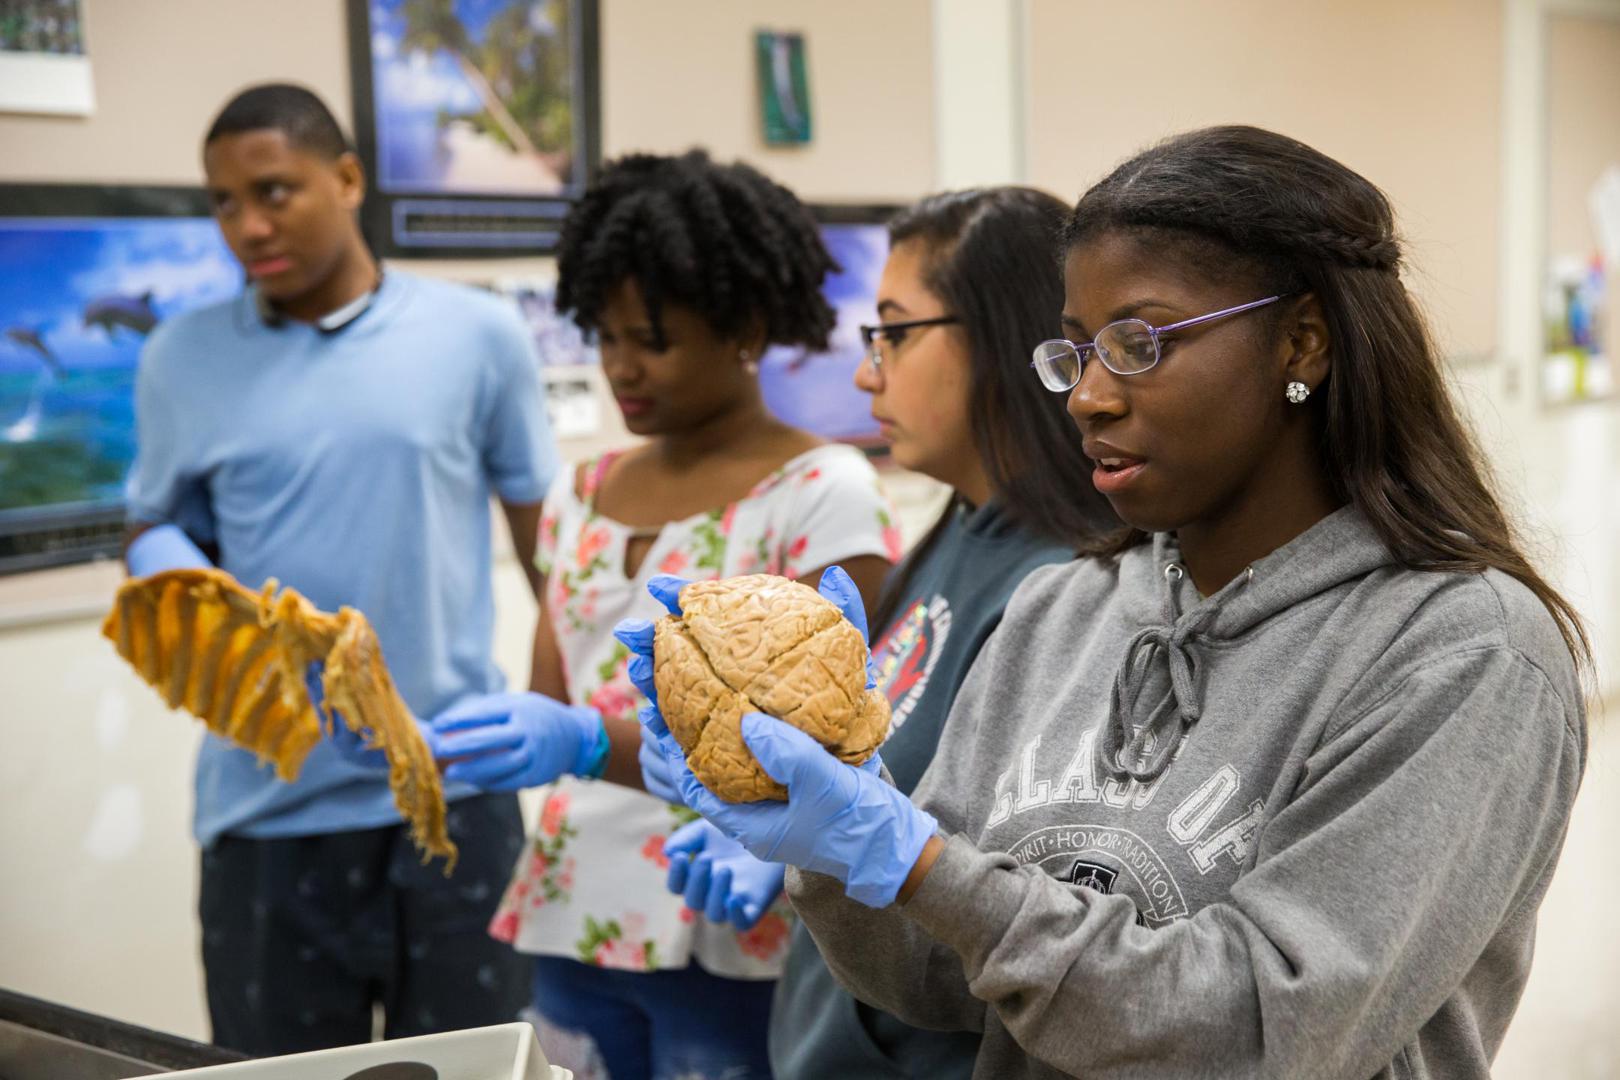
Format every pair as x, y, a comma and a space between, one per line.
301, 936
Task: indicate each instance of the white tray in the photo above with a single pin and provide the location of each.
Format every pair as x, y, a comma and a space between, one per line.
503, 1052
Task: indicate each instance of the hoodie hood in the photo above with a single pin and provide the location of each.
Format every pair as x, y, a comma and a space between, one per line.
1157, 693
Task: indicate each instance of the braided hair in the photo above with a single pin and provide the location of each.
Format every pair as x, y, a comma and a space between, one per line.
722, 241
1235, 202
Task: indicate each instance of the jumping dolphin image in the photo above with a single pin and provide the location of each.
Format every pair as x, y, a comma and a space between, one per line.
131, 312
32, 339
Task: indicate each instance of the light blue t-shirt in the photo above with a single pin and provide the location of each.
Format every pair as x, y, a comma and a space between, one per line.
357, 467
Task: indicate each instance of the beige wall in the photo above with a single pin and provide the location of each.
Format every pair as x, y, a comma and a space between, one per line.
1583, 123
162, 68
1406, 93
674, 75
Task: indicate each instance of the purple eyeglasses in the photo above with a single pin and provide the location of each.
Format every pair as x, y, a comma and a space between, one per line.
1126, 347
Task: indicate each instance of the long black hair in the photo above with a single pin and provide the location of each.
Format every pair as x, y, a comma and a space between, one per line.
723, 241
991, 255
1241, 200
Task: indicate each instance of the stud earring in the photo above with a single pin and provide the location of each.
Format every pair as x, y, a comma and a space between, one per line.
1297, 392
750, 365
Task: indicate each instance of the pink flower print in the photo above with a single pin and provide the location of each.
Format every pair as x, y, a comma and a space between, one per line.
566, 878
892, 545
727, 520
612, 699
551, 819
811, 476
653, 852
768, 937
539, 865
673, 563
687, 914
624, 951
623, 955
504, 927
592, 544
745, 565
796, 549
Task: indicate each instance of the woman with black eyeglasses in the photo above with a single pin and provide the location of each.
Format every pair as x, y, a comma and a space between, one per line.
970, 281
1274, 784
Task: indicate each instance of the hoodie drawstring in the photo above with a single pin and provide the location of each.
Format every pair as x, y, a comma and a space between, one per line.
1173, 717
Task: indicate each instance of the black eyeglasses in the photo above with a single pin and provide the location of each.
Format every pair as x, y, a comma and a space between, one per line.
872, 337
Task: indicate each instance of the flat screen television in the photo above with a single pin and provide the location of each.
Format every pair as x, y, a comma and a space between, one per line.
86, 273
816, 390
477, 120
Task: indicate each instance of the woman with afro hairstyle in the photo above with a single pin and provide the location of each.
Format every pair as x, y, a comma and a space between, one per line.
685, 271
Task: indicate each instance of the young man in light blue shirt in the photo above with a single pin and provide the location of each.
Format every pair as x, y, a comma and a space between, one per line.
341, 430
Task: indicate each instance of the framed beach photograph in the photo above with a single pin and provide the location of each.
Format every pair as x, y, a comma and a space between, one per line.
477, 120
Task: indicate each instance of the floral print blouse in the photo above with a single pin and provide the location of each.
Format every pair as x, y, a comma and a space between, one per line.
590, 883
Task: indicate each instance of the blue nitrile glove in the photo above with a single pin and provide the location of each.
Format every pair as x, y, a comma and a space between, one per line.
718, 878
838, 819
163, 547
504, 742
836, 585
351, 745
655, 774
637, 636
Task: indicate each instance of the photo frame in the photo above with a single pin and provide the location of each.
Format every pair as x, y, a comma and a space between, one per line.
478, 123
44, 67
782, 74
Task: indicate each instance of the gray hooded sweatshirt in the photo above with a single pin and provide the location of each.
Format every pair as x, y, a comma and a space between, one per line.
1364, 775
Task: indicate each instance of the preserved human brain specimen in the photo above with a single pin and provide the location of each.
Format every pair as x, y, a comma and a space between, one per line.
761, 643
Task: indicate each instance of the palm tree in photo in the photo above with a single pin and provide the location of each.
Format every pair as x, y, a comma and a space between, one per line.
431, 26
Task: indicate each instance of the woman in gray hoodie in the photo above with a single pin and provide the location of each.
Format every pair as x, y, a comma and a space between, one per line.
1274, 785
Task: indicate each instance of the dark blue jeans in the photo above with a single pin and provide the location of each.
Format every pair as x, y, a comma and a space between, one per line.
302, 935
661, 1025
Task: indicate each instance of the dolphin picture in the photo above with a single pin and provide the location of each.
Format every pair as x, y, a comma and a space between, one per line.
22, 335
131, 312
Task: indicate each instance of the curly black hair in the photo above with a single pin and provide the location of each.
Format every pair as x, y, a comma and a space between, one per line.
723, 241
